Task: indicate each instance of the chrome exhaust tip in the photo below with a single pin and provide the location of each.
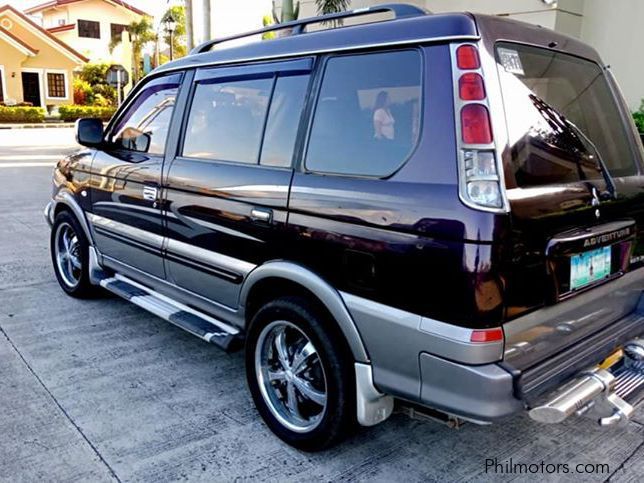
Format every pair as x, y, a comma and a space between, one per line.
573, 397
609, 394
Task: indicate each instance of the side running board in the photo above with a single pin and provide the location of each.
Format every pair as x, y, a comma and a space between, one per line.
197, 323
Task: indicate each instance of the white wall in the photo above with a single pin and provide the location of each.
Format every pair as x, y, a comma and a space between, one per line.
615, 29
230, 17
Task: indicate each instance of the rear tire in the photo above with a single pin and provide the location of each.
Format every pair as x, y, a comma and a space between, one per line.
300, 376
69, 249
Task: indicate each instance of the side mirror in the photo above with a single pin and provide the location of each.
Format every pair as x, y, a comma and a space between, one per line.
89, 132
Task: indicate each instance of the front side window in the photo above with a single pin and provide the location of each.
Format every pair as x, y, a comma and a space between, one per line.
144, 126
89, 29
227, 120
367, 118
56, 85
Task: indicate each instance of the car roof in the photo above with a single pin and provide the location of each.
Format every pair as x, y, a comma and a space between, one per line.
411, 31
421, 29
496, 29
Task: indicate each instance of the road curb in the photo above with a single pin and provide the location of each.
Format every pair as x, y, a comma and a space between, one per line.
37, 126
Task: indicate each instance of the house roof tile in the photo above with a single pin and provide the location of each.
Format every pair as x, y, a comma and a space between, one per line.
60, 3
39, 29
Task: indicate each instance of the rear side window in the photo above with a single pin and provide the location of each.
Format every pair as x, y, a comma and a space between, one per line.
144, 126
560, 111
367, 117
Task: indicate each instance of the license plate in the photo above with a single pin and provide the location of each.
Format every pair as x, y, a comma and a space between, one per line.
589, 267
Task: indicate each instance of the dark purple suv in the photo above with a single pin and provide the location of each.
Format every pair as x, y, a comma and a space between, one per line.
442, 212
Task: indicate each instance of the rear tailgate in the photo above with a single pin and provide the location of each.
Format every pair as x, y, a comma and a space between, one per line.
576, 195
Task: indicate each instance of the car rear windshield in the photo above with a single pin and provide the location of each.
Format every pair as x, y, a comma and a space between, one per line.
562, 118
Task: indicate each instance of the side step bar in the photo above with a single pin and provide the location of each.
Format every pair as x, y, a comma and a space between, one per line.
197, 323
611, 394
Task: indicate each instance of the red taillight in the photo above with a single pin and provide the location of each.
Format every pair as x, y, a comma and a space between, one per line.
471, 88
475, 124
467, 57
487, 335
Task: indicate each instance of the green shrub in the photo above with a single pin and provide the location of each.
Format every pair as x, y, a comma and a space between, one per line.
639, 121
638, 116
92, 87
22, 114
83, 93
72, 113
106, 94
18, 104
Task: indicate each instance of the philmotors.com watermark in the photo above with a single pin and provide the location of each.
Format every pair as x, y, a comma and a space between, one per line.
511, 467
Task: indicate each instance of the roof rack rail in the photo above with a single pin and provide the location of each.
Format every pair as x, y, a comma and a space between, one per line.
400, 10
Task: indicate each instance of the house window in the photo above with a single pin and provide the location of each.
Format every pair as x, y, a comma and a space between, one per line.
1, 86
116, 30
56, 85
89, 29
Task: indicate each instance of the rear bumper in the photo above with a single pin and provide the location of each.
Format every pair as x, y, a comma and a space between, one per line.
532, 383
479, 393
494, 391
412, 363
549, 331
433, 363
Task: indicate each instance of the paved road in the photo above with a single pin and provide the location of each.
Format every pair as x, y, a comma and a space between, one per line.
102, 391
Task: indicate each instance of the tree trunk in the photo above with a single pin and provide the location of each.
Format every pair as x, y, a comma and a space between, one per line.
189, 28
207, 31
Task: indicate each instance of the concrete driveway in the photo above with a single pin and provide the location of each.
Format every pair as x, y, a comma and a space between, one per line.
101, 390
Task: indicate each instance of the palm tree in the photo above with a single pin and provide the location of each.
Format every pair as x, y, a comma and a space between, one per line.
332, 6
289, 12
140, 34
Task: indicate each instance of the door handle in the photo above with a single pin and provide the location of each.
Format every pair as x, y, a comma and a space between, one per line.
261, 214
150, 193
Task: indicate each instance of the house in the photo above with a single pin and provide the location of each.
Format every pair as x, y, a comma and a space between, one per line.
35, 66
88, 26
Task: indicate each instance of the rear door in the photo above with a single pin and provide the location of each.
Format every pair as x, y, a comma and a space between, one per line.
573, 178
227, 190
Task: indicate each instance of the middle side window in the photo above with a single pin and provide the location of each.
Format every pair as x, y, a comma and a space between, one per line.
227, 120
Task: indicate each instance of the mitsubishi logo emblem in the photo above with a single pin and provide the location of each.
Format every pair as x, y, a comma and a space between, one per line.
595, 202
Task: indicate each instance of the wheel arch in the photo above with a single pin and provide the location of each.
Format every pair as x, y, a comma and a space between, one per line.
65, 200
286, 278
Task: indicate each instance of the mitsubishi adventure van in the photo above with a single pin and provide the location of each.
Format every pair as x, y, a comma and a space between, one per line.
437, 213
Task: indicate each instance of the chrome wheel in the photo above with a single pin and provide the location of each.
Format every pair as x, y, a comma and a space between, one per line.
67, 252
290, 376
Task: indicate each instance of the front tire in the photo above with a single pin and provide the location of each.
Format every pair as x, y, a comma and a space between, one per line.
69, 249
300, 374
